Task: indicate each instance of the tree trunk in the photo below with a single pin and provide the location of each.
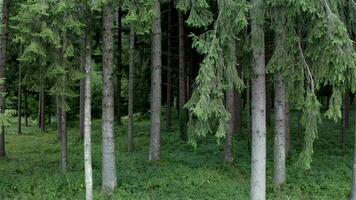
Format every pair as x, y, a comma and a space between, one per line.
169, 70
87, 122
230, 126
19, 124
119, 68
3, 46
26, 108
248, 115
287, 122
59, 119
353, 192
41, 104
237, 113
182, 80
82, 89
258, 167
49, 110
269, 100
131, 89
109, 179
156, 97
63, 133
280, 133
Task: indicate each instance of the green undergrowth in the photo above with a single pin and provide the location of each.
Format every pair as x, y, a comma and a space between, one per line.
31, 170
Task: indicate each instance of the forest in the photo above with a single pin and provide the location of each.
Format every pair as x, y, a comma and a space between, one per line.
178, 99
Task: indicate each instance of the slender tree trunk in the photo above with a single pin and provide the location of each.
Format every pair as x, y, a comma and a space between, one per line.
237, 113
41, 104
269, 100
156, 97
280, 133
353, 191
230, 126
182, 80
169, 70
258, 173
63, 131
131, 89
109, 179
49, 110
248, 115
119, 68
59, 119
26, 108
19, 98
82, 89
87, 122
3, 46
287, 122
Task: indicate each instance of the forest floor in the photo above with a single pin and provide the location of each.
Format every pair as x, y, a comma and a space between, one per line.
31, 170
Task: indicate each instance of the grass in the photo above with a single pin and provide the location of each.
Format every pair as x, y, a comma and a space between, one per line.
31, 170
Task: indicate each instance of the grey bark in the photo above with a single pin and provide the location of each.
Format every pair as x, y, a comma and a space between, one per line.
87, 123
131, 89
3, 47
182, 79
109, 179
169, 71
230, 126
280, 133
258, 166
156, 97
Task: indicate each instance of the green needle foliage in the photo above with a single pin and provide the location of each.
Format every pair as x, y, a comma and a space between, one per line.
218, 70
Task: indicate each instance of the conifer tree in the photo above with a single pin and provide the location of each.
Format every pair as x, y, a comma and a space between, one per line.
156, 98
3, 47
109, 182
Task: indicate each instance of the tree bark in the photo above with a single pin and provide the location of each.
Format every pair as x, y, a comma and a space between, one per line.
26, 108
82, 89
87, 122
109, 179
269, 101
169, 71
119, 68
63, 132
258, 173
280, 133
156, 97
19, 98
182, 80
3, 47
41, 104
59, 119
131, 89
237, 113
287, 122
230, 126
